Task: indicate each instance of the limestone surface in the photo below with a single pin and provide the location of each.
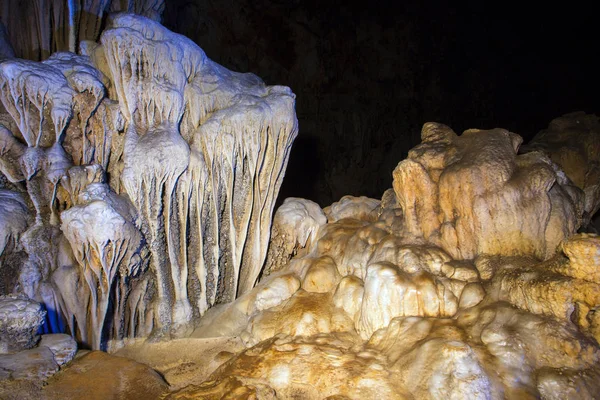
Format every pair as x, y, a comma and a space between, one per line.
352, 207
323, 366
572, 141
97, 375
138, 183
20, 320
152, 173
472, 194
295, 226
488, 316
62, 346
35, 364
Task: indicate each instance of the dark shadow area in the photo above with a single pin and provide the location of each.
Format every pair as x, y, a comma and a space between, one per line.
368, 76
302, 171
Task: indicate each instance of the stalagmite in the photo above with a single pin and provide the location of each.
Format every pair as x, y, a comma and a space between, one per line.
431, 280
220, 172
108, 248
295, 227
573, 142
14, 218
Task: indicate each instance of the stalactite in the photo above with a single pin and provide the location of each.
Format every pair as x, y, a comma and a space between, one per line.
198, 150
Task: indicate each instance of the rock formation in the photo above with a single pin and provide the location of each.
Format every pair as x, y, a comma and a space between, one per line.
20, 319
472, 194
152, 173
573, 142
466, 280
23, 356
295, 227
138, 184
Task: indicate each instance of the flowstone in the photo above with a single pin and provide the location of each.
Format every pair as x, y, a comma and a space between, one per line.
138, 184
151, 173
507, 309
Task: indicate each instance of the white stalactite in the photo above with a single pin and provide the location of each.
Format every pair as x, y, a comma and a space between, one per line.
200, 152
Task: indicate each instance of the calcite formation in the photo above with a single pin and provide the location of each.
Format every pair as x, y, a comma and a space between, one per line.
281, 366
138, 183
20, 320
97, 376
24, 356
150, 174
506, 309
472, 194
572, 141
36, 365
295, 227
14, 218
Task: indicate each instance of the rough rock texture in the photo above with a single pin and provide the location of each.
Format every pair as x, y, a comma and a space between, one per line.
356, 278
489, 316
283, 367
352, 207
20, 321
573, 142
295, 226
63, 347
35, 364
97, 375
152, 173
583, 251
183, 362
472, 194
552, 288
14, 220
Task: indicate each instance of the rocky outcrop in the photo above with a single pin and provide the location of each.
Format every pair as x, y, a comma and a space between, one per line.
573, 142
24, 358
20, 320
295, 227
352, 207
152, 173
285, 367
472, 194
566, 288
36, 365
486, 316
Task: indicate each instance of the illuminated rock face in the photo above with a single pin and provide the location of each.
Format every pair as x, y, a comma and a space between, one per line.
151, 173
488, 316
138, 183
573, 142
472, 194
